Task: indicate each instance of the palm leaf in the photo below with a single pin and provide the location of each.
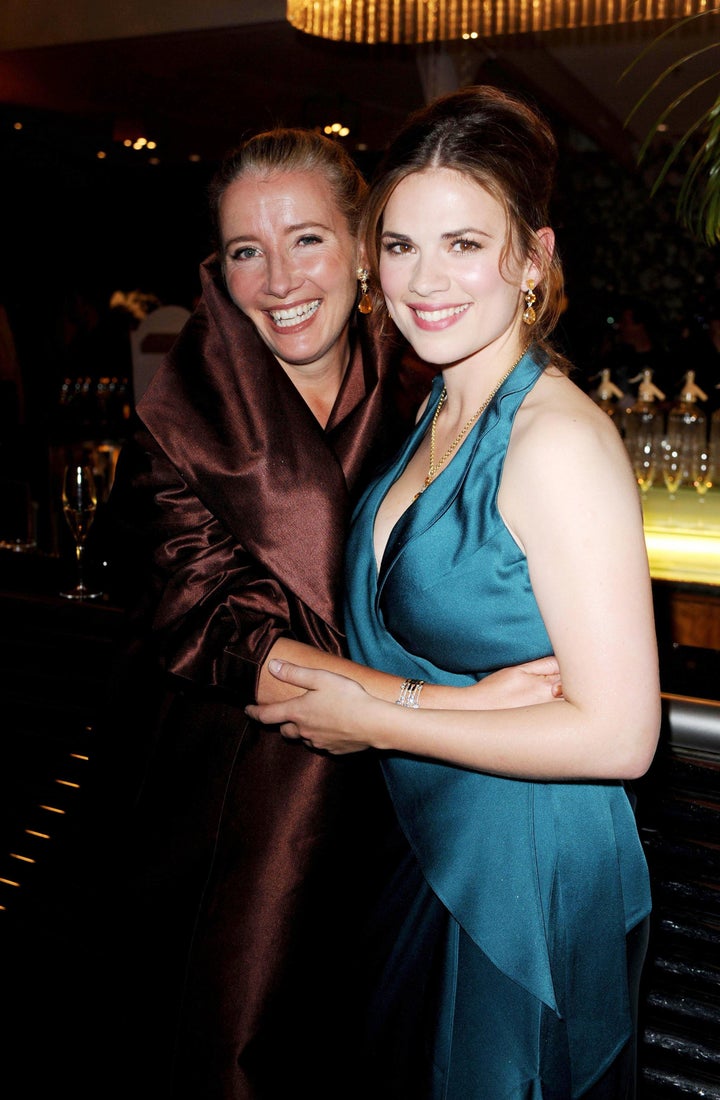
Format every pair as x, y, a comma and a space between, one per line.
662, 119
668, 72
664, 34
698, 201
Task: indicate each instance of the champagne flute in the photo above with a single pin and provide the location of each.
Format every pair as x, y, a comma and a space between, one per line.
644, 457
79, 500
672, 466
702, 471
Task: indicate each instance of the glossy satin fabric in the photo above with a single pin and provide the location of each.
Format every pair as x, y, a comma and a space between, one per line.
545, 878
260, 488
249, 861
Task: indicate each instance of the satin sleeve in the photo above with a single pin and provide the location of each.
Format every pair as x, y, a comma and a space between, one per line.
214, 612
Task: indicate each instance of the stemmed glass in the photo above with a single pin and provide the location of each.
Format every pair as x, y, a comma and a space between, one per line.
702, 471
644, 457
672, 466
79, 501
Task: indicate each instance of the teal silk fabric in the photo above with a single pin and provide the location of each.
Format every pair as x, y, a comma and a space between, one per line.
545, 878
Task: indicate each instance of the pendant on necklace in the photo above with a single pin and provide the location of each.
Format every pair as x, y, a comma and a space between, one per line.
419, 493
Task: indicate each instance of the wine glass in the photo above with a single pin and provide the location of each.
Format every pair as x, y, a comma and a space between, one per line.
79, 501
644, 457
673, 459
702, 471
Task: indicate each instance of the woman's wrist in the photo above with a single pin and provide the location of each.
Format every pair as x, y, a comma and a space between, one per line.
409, 694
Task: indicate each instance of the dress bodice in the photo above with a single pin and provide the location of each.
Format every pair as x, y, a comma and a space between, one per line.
450, 562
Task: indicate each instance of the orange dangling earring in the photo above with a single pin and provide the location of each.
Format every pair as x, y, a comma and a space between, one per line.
365, 304
530, 298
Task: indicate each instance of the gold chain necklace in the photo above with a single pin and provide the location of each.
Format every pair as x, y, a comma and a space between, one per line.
434, 466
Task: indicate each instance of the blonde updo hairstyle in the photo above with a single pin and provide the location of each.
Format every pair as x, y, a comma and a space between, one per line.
508, 149
291, 150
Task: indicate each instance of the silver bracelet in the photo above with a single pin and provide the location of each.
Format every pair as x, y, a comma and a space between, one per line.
410, 694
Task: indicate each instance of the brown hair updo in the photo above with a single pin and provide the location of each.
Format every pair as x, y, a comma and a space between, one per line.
508, 149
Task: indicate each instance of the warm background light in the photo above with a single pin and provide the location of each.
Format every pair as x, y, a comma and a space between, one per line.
411, 22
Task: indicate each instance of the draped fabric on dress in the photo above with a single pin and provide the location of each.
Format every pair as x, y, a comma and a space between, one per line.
250, 859
545, 879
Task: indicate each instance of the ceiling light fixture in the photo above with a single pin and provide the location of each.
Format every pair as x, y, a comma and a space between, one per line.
412, 22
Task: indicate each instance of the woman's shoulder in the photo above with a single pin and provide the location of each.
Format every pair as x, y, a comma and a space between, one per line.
561, 436
557, 406
563, 447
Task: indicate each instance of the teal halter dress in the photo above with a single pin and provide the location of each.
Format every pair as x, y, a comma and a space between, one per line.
538, 882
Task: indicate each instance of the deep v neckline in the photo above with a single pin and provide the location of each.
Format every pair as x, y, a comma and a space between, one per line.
400, 466
524, 372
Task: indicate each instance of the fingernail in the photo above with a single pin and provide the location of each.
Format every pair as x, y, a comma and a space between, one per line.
275, 665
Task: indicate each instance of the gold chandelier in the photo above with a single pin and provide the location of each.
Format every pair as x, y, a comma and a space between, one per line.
412, 22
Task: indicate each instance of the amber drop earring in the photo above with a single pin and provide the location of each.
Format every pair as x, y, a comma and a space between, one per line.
365, 304
529, 316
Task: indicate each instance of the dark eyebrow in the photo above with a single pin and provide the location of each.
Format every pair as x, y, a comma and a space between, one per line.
462, 232
445, 236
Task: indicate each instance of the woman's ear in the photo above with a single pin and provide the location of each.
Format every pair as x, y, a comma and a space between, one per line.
539, 262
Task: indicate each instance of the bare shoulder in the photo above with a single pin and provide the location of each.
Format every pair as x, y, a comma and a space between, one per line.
563, 448
569, 498
556, 416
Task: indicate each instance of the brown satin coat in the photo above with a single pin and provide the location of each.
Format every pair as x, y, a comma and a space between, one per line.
254, 859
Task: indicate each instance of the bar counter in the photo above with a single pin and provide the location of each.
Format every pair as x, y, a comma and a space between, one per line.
683, 536
683, 541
